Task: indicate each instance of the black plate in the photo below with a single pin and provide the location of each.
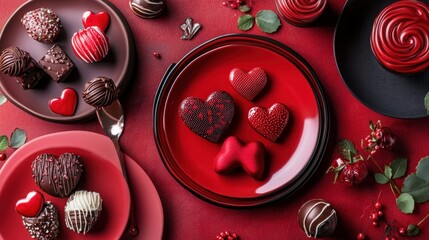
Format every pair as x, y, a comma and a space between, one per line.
388, 93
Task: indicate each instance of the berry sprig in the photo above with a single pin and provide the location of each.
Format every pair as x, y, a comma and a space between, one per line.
380, 137
227, 236
16, 140
236, 4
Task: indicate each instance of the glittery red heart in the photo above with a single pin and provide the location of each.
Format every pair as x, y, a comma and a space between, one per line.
248, 84
66, 104
208, 119
101, 20
236, 154
31, 205
269, 123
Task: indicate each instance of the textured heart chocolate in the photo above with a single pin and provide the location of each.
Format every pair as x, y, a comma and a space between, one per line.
269, 123
248, 84
31, 205
235, 154
101, 20
208, 119
57, 176
66, 104
45, 225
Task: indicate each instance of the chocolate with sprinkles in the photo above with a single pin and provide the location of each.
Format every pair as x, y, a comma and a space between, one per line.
42, 24
56, 63
46, 225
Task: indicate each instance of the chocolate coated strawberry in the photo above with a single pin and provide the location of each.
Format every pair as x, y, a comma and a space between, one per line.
269, 123
208, 119
248, 84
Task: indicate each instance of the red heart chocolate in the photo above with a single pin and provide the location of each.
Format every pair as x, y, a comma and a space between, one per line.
66, 104
31, 205
208, 119
101, 20
235, 154
269, 123
248, 84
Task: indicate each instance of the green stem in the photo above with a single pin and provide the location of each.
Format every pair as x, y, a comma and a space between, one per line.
392, 183
418, 224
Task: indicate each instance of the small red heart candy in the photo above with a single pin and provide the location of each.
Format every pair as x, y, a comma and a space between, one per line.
269, 123
31, 205
236, 154
101, 20
248, 84
66, 104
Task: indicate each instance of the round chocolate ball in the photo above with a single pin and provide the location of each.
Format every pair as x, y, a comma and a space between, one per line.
100, 92
317, 218
147, 8
42, 24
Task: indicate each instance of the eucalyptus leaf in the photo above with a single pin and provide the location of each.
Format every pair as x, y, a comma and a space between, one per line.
422, 169
18, 138
2, 99
426, 100
267, 21
413, 230
405, 203
380, 178
388, 172
244, 8
245, 22
399, 167
417, 187
4, 142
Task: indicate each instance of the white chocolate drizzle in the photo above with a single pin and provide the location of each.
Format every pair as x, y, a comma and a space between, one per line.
83, 210
315, 219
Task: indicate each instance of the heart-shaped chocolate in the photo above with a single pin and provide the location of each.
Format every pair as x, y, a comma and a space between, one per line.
45, 225
101, 20
269, 123
66, 104
248, 84
236, 154
57, 176
31, 205
208, 119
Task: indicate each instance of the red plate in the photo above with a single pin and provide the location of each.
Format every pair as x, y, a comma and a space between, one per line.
98, 153
190, 158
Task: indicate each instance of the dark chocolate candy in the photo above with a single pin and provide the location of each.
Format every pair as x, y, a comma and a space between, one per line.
57, 177
100, 92
19, 64
82, 211
56, 63
42, 24
147, 8
45, 226
317, 218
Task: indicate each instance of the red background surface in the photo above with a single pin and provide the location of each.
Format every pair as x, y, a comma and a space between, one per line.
188, 217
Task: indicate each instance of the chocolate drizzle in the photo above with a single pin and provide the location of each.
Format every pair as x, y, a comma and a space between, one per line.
57, 177
317, 218
82, 211
46, 225
147, 8
100, 92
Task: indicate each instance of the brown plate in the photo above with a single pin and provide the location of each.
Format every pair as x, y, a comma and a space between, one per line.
117, 65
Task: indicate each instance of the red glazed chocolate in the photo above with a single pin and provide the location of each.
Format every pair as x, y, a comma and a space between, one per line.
269, 123
400, 37
91, 19
235, 154
31, 205
90, 44
248, 84
208, 119
301, 12
66, 104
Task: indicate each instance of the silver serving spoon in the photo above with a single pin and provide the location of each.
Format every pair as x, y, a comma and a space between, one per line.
111, 119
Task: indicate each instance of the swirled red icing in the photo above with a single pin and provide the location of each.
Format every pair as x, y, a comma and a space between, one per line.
400, 37
301, 12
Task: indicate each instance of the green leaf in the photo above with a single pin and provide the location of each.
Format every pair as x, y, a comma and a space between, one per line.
399, 167
422, 169
4, 142
417, 187
18, 138
245, 22
267, 21
347, 149
388, 172
2, 99
380, 178
244, 8
413, 230
405, 203
426, 100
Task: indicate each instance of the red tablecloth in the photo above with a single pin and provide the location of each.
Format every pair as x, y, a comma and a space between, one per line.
188, 217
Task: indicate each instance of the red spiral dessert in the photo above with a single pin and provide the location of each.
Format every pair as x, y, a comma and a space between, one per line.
90, 44
400, 37
301, 12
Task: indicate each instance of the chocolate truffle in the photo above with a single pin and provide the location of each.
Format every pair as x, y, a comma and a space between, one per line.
82, 211
45, 226
42, 25
57, 177
317, 218
100, 92
300, 13
147, 8
18, 63
90, 44
56, 63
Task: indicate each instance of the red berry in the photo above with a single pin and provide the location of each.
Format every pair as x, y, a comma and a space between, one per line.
374, 217
156, 55
402, 231
386, 238
380, 213
225, 4
375, 224
378, 206
233, 5
353, 173
392, 238
2, 156
361, 236
227, 236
